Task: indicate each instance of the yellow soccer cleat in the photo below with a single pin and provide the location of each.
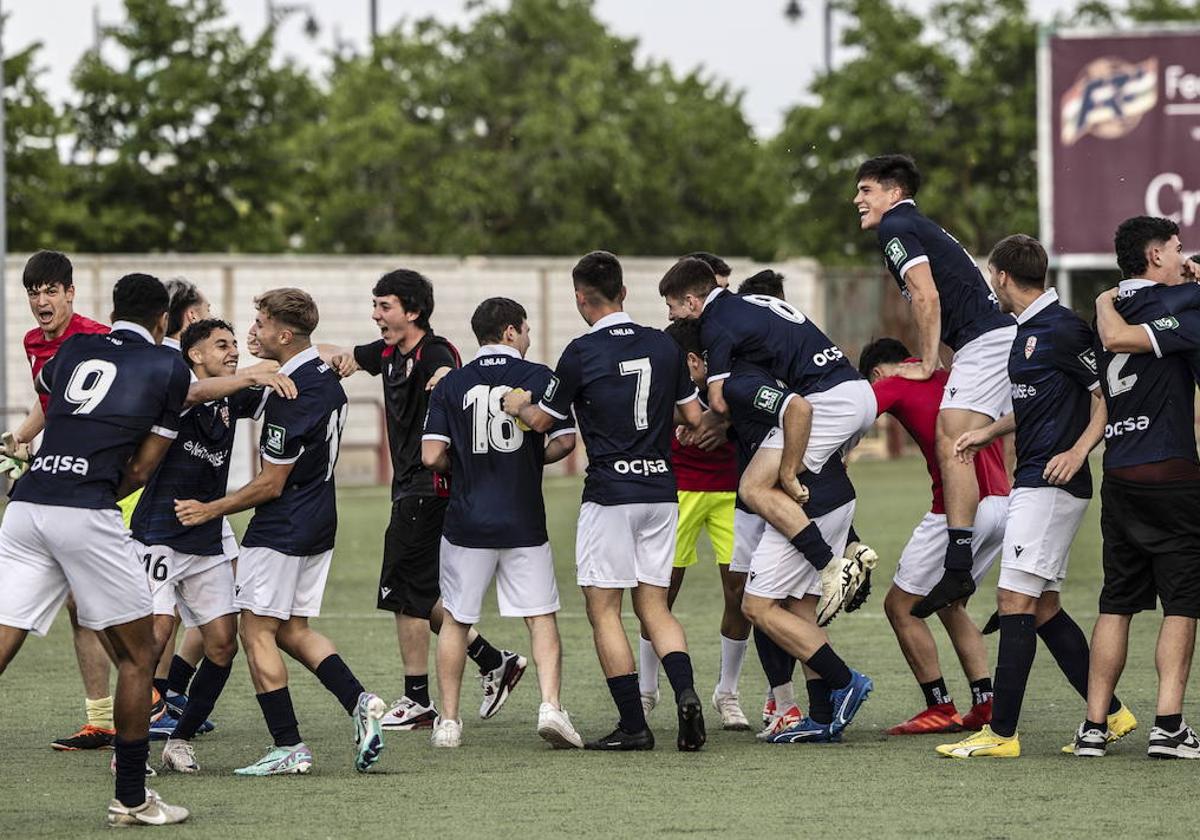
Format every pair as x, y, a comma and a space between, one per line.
1120, 723
983, 744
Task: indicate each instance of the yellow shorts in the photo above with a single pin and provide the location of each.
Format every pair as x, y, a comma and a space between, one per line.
127, 505
712, 511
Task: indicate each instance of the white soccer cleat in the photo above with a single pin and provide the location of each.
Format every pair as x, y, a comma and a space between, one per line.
446, 733
554, 727
784, 720
733, 719
178, 755
405, 715
840, 580
649, 701
151, 812
368, 732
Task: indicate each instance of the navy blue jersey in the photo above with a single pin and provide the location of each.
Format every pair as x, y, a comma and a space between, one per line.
623, 381
496, 467
1150, 395
107, 392
771, 334
1052, 367
969, 308
756, 403
306, 432
195, 467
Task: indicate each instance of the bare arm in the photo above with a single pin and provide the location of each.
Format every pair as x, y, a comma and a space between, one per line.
1117, 335
1063, 466
716, 398
435, 455
341, 359
32, 425
797, 425
559, 448
143, 463
264, 487
519, 404
216, 387
969, 443
927, 312
689, 414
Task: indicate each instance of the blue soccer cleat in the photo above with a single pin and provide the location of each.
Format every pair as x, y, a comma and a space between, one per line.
177, 703
807, 731
847, 701
164, 727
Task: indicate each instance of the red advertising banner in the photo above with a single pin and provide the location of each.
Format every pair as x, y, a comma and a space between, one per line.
1119, 135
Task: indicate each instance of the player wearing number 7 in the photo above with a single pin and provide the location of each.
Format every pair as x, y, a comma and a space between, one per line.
627, 384
288, 545
496, 519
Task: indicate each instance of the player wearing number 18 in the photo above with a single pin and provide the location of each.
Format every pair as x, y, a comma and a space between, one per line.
626, 383
495, 524
288, 546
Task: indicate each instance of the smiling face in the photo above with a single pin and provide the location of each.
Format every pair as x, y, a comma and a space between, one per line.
216, 355
1166, 260
52, 306
873, 199
395, 324
684, 308
272, 336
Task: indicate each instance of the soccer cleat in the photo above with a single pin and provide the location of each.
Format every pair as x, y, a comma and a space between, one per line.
158, 706
446, 733
179, 756
1090, 743
733, 719
649, 701
88, 738
983, 744
151, 812
806, 731
942, 718
955, 585
778, 723
1181, 744
868, 557
280, 761
554, 727
768, 711
112, 766
840, 580
979, 716
406, 715
992, 624
368, 734
177, 704
499, 682
1120, 723
847, 701
690, 713
164, 727
621, 741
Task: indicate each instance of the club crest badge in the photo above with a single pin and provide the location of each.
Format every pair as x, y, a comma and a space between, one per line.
1030, 344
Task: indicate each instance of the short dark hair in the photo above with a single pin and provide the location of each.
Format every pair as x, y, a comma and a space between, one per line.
687, 335
881, 351
599, 272
140, 298
48, 268
412, 289
1134, 236
892, 170
293, 308
689, 276
183, 295
765, 282
718, 265
197, 332
1023, 258
494, 316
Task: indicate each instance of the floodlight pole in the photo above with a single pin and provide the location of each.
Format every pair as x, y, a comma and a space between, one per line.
374, 20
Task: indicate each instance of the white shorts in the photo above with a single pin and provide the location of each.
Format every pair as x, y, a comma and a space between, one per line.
620, 546
979, 374
524, 576
923, 559
281, 585
841, 416
200, 586
1042, 522
47, 551
778, 570
229, 543
747, 533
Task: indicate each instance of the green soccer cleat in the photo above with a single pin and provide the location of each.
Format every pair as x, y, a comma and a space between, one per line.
368, 733
280, 761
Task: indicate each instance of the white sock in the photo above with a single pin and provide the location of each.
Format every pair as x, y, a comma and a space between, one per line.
647, 667
733, 651
785, 697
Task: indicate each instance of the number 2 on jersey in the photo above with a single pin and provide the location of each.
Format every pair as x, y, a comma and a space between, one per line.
1118, 384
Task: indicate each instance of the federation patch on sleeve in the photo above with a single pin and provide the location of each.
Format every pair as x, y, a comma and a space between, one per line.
1088, 359
895, 252
551, 389
1164, 324
767, 398
276, 435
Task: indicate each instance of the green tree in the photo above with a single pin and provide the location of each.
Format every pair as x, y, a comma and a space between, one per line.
532, 129
187, 144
